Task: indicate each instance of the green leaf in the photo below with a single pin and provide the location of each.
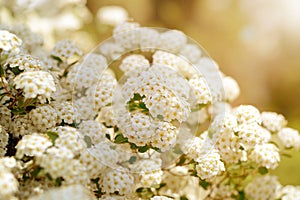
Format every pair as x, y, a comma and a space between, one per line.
19, 111
52, 135
120, 139
133, 146
58, 181
263, 170
286, 155
16, 70
241, 196
58, 59
2, 72
198, 107
177, 150
181, 161
143, 149
36, 172
204, 184
160, 117
132, 159
88, 141
183, 197
107, 136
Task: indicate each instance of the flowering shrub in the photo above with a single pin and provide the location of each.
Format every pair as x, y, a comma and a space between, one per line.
145, 115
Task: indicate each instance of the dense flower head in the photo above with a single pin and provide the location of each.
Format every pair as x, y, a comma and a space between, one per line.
117, 180
9, 42
146, 115
44, 117
273, 121
33, 145
35, 83
262, 188
66, 49
289, 137
23, 62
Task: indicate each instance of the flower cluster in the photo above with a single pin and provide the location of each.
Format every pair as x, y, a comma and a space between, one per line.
146, 115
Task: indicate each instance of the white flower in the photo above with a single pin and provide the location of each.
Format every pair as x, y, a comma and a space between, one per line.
148, 39
177, 63
290, 192
66, 49
8, 184
9, 42
22, 125
148, 172
112, 15
24, 62
44, 117
136, 126
3, 141
60, 162
247, 114
35, 83
273, 121
200, 90
262, 188
94, 129
66, 112
70, 138
134, 63
77, 192
117, 180
126, 34
231, 88
250, 135
33, 145
172, 41
209, 165
165, 136
289, 137
266, 155
191, 52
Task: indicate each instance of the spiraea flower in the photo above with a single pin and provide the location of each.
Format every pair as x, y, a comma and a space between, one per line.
66, 49
200, 90
262, 188
266, 155
209, 165
66, 112
247, 114
93, 129
172, 40
44, 117
148, 172
33, 145
165, 136
117, 180
60, 162
23, 62
77, 191
126, 34
9, 42
289, 137
231, 88
273, 121
134, 63
35, 84
8, 183
3, 141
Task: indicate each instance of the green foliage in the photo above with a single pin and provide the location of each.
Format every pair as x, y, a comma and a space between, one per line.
52, 135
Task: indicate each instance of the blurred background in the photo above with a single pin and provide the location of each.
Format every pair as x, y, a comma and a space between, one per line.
256, 42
